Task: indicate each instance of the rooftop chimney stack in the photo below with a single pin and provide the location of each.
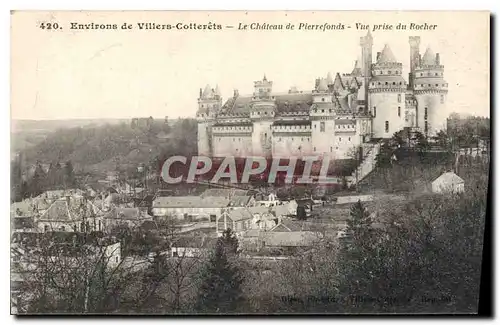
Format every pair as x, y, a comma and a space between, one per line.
438, 60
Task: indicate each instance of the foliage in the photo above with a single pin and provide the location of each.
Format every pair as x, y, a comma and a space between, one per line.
221, 288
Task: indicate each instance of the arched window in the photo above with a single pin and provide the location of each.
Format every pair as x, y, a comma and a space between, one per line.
399, 98
386, 126
399, 111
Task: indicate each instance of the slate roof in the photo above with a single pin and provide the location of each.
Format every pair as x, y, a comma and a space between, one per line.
190, 202
284, 103
449, 178
429, 57
290, 239
69, 210
386, 56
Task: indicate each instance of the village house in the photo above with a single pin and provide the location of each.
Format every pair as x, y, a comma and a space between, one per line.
70, 214
448, 183
131, 217
195, 246
189, 207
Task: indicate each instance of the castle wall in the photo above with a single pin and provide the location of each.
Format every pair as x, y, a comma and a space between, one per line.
323, 138
204, 145
232, 145
292, 140
262, 138
436, 111
384, 105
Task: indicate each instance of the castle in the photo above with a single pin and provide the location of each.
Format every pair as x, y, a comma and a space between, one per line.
341, 114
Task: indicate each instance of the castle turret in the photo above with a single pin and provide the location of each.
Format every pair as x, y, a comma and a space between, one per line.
414, 58
387, 95
430, 91
263, 109
366, 43
209, 105
322, 120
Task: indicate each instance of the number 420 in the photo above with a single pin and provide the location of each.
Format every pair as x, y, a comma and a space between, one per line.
49, 26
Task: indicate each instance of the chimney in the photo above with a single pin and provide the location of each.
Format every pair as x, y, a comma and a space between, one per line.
378, 55
236, 93
437, 59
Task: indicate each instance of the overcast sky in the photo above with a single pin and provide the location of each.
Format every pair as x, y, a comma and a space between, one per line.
61, 74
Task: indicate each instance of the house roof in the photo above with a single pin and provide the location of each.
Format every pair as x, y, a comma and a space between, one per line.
239, 201
190, 202
70, 210
281, 210
449, 178
240, 214
125, 214
224, 192
195, 242
284, 103
291, 239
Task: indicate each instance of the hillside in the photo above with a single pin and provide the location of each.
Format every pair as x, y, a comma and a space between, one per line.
114, 146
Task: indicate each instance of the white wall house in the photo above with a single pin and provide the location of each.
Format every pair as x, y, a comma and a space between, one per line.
448, 183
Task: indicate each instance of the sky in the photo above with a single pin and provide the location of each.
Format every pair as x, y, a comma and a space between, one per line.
66, 74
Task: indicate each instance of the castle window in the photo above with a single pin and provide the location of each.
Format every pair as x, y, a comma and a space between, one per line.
330, 110
322, 127
393, 82
386, 126
436, 73
340, 139
322, 111
430, 85
379, 83
349, 139
302, 139
426, 127
386, 83
265, 113
425, 113
307, 139
389, 72
374, 111
437, 85
314, 125
442, 99
202, 106
406, 116
399, 111
323, 99
314, 148
233, 139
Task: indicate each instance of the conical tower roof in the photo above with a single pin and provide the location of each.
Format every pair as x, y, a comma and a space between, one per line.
322, 85
207, 92
386, 56
429, 57
357, 68
329, 78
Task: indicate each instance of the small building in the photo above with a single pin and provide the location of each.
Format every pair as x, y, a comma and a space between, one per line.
189, 207
192, 246
132, 217
448, 183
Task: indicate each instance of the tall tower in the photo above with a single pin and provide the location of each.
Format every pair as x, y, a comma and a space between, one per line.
387, 89
322, 121
414, 58
263, 109
430, 91
209, 104
366, 43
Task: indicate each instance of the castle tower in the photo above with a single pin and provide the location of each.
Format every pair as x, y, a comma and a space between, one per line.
322, 121
414, 58
263, 109
209, 104
366, 43
386, 90
430, 91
